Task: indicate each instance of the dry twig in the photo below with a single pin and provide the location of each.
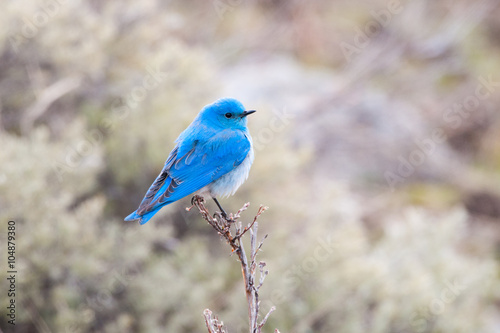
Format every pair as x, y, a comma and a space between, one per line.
248, 264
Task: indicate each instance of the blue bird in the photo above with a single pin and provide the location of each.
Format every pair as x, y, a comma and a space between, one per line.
212, 157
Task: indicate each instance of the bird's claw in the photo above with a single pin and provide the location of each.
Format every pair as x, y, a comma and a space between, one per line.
222, 215
196, 198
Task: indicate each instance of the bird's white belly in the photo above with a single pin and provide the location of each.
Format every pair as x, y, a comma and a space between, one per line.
231, 181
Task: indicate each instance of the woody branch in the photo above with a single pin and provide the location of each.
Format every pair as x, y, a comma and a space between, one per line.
232, 230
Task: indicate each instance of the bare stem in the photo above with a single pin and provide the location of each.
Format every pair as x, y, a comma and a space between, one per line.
248, 263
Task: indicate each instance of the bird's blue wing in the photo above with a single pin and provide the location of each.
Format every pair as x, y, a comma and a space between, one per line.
194, 164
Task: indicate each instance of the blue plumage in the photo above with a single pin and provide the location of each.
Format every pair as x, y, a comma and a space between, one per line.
212, 157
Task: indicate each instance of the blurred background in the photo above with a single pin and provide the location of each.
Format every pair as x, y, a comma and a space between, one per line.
377, 145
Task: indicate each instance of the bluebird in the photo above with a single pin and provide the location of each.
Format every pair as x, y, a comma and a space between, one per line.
212, 157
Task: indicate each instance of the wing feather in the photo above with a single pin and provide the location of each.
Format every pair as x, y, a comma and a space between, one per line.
202, 163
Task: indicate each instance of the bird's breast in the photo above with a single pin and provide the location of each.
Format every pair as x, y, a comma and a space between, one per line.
231, 181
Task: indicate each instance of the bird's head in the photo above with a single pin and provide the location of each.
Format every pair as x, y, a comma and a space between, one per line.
226, 113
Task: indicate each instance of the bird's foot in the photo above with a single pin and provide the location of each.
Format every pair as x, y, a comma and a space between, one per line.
197, 198
223, 215
222, 211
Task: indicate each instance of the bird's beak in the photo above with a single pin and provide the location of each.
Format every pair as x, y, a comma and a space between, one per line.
246, 113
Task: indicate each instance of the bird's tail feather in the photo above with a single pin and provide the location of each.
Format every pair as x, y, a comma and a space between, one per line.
142, 218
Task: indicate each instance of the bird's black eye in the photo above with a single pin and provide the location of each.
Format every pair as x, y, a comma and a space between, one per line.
228, 115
